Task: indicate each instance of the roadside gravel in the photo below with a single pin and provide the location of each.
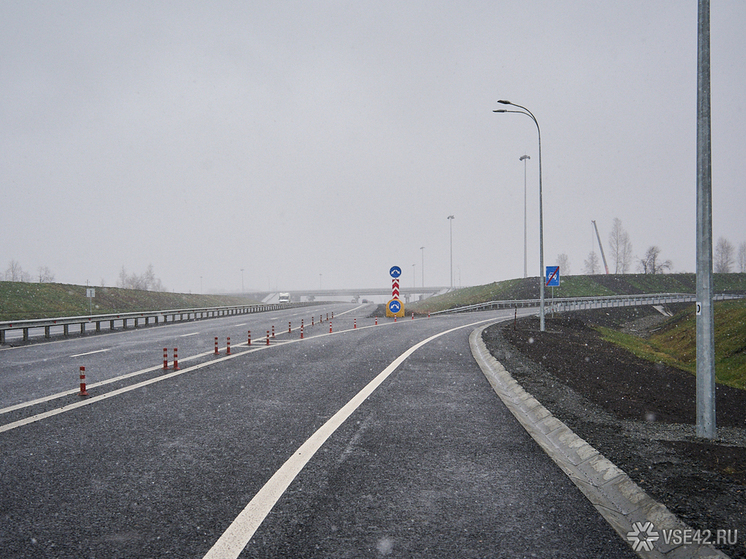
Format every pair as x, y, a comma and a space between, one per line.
640, 415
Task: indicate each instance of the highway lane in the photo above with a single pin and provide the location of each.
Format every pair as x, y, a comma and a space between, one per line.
38, 370
430, 464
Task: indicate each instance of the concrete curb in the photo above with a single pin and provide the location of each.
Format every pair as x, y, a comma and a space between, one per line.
620, 500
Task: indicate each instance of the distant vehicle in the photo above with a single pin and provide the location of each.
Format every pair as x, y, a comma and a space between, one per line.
284, 298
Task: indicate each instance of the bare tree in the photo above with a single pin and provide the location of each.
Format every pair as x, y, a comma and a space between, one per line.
651, 264
723, 256
122, 281
15, 272
45, 275
621, 247
591, 265
564, 264
145, 282
742, 257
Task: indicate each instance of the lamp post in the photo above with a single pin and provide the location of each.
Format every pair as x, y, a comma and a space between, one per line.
705, 322
423, 266
525, 111
450, 220
525, 250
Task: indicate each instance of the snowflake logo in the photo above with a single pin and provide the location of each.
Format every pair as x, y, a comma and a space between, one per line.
642, 536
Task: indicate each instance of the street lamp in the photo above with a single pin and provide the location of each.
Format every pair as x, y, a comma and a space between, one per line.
525, 111
450, 220
423, 266
525, 250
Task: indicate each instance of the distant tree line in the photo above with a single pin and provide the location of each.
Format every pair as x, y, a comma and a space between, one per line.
16, 273
145, 282
725, 257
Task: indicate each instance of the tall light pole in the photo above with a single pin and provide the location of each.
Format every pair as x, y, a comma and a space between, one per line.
525, 250
423, 266
705, 327
450, 220
525, 111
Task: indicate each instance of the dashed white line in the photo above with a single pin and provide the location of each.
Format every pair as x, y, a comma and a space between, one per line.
91, 352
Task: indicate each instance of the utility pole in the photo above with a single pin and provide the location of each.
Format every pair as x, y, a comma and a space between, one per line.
450, 220
525, 249
706, 426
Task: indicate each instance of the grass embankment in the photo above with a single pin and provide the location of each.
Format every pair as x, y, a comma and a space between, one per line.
577, 286
675, 342
19, 301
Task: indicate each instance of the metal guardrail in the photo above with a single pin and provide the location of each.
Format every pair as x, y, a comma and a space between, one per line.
582, 303
135, 319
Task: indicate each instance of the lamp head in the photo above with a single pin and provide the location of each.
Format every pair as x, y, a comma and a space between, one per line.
504, 102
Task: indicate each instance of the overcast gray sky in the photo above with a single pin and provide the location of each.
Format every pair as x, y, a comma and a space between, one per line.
320, 143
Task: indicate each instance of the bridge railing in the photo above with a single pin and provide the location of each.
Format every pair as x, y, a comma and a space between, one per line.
131, 319
581, 303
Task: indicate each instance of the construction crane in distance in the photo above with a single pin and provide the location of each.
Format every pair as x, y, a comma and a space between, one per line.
606, 267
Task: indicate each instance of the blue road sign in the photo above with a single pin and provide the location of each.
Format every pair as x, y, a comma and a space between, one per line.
394, 306
395, 271
553, 276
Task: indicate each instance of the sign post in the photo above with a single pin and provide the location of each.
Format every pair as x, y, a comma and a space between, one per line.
395, 308
90, 292
553, 280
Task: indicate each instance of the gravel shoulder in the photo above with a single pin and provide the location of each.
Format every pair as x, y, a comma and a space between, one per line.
640, 415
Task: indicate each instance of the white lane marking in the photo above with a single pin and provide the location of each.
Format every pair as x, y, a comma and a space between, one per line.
91, 352
50, 413
241, 530
187, 335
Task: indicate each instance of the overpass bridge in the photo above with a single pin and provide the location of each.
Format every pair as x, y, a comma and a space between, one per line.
407, 293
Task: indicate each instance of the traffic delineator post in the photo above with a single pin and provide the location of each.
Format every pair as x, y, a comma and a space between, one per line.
249, 338
176, 358
165, 358
83, 391
228, 346
267, 337
216, 345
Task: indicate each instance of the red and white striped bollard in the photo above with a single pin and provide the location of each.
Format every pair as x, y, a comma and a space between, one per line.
83, 391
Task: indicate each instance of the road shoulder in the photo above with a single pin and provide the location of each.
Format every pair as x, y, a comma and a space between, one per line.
622, 502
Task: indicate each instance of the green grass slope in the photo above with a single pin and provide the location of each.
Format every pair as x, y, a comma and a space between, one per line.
675, 343
577, 286
19, 301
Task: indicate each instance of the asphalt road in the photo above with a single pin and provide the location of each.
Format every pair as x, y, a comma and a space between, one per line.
267, 453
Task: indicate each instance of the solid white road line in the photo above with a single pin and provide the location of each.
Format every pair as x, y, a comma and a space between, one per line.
241, 530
